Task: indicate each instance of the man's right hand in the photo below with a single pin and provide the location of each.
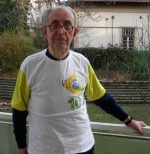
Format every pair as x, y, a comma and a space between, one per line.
23, 151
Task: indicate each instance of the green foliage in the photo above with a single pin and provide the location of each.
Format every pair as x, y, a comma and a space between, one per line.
135, 65
40, 42
93, 54
139, 67
13, 13
100, 58
15, 46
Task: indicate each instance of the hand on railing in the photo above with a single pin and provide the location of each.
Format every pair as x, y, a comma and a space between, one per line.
137, 126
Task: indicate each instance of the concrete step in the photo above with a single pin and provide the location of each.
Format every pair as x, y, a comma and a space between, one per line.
123, 92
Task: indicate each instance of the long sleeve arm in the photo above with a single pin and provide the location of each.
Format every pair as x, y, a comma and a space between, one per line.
19, 124
109, 105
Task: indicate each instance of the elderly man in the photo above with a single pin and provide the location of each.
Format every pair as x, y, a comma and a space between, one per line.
50, 89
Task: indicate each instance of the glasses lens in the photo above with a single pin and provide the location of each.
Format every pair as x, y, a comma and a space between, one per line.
54, 27
67, 27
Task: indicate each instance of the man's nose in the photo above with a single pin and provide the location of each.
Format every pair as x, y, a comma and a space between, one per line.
61, 30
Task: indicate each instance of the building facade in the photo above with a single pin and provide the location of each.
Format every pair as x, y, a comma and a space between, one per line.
123, 23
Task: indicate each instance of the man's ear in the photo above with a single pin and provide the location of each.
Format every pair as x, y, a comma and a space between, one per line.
44, 30
76, 31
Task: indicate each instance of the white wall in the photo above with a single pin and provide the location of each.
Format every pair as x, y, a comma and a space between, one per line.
108, 30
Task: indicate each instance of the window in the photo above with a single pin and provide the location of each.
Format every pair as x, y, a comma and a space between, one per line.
128, 38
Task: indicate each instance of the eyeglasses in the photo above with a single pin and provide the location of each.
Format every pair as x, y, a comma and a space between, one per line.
67, 27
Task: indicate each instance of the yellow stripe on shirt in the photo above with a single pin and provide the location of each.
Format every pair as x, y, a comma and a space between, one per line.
21, 93
94, 90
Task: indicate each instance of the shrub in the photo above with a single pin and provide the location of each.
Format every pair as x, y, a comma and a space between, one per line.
102, 58
39, 40
139, 67
15, 46
135, 65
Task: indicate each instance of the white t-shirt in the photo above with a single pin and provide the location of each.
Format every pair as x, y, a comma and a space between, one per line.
53, 93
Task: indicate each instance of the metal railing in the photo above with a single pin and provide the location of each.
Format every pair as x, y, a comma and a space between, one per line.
105, 142
94, 125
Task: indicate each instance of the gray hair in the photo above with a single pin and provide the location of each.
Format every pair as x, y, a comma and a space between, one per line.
49, 10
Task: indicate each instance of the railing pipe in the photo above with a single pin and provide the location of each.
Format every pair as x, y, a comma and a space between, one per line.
94, 125
116, 127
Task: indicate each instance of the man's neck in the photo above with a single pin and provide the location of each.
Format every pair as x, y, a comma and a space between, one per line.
48, 54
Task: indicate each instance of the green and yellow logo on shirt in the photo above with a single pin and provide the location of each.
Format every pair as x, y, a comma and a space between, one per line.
75, 103
73, 84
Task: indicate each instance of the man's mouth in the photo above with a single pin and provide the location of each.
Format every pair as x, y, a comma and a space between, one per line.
61, 39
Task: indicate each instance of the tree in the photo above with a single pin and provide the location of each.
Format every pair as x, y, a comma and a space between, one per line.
13, 13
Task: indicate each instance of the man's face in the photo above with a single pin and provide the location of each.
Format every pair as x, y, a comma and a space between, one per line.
60, 40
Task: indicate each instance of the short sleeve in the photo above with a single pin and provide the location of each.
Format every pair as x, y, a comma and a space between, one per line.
21, 93
94, 90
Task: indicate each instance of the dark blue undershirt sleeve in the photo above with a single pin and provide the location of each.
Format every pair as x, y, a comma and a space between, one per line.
19, 124
109, 105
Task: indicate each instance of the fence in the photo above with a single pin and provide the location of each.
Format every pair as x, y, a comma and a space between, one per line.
106, 143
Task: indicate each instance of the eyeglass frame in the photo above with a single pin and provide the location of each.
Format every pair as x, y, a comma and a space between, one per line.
60, 27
